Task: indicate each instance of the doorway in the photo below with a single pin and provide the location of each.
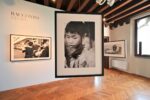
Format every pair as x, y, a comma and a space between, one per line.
106, 59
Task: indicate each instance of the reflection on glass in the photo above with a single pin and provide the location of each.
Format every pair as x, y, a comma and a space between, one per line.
143, 36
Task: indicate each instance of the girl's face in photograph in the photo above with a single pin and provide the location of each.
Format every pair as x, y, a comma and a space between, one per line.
72, 41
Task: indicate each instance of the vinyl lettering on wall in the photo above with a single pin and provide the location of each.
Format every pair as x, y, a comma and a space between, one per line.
23, 16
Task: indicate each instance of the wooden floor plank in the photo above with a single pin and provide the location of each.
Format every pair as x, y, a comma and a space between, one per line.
115, 85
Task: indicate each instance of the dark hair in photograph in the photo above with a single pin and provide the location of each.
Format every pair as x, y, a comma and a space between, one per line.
90, 29
75, 27
30, 43
44, 41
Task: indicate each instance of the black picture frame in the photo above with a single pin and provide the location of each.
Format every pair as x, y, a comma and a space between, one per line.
29, 48
64, 20
140, 44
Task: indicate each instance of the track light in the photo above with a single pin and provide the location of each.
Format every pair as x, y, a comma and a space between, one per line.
109, 2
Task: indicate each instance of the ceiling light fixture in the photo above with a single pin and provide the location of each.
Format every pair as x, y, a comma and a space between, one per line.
109, 2
104, 19
100, 2
53, 0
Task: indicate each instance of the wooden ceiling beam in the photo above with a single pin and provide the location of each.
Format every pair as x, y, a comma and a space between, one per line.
46, 2
104, 8
118, 7
58, 3
83, 5
133, 12
93, 7
33, 0
133, 6
72, 2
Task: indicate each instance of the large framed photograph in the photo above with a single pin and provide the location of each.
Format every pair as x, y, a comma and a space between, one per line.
25, 47
79, 44
115, 48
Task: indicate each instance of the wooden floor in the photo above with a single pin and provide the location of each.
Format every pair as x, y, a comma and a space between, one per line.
115, 85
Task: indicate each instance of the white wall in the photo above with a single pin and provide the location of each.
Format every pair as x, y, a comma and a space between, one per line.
106, 31
25, 73
136, 65
121, 33
142, 64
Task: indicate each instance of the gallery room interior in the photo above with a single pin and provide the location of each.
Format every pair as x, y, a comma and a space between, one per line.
74, 50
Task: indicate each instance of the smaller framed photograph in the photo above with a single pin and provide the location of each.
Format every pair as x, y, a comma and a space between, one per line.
24, 47
115, 48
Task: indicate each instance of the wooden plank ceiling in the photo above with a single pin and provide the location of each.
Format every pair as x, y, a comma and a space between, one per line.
120, 12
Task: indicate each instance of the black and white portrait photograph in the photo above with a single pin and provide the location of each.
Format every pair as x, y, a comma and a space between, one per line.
114, 48
77, 53
30, 47
79, 44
